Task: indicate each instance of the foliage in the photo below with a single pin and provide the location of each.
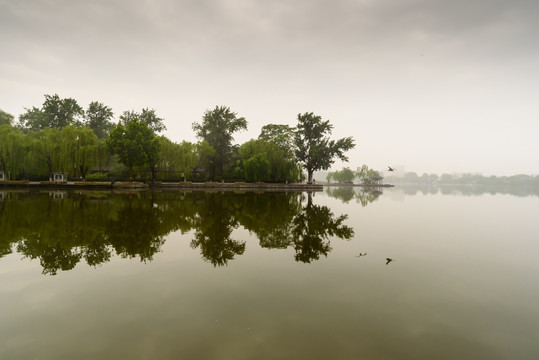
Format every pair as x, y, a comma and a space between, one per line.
135, 144
46, 146
97, 177
55, 113
256, 153
79, 150
6, 118
135, 225
281, 135
314, 149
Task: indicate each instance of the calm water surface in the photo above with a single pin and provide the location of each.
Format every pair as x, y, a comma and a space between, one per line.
169, 275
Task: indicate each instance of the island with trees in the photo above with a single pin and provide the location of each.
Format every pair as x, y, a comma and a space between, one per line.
62, 142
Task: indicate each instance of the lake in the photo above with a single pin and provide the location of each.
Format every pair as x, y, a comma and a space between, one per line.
341, 274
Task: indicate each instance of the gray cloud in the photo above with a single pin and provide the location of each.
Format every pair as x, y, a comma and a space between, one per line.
412, 66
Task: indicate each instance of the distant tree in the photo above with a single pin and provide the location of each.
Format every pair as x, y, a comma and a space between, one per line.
55, 113
217, 127
367, 176
346, 175
329, 176
6, 118
313, 147
98, 118
135, 145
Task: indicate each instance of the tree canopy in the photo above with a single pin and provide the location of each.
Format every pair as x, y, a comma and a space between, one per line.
98, 117
54, 113
5, 118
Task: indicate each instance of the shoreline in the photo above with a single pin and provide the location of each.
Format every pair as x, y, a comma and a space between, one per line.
158, 185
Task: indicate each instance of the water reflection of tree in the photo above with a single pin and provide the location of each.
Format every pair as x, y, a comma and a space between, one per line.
311, 229
214, 224
93, 226
346, 193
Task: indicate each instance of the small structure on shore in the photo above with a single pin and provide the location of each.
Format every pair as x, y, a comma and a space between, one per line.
57, 177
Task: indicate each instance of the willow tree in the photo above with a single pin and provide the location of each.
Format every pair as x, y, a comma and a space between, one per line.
46, 147
314, 149
79, 147
13, 151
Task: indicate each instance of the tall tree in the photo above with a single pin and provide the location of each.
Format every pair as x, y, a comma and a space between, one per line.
98, 118
55, 113
314, 149
216, 128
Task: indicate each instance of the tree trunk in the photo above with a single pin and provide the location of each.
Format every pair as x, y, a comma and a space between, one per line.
309, 176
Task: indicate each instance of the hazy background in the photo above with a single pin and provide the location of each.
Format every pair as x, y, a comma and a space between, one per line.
434, 86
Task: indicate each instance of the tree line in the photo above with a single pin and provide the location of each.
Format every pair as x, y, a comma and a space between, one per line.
347, 176
61, 136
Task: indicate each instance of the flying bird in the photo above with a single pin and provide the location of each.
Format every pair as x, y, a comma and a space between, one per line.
389, 260
390, 168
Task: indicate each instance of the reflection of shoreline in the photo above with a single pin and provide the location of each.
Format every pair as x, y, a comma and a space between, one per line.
469, 190
61, 228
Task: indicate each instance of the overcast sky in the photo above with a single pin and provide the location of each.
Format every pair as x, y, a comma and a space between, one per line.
424, 85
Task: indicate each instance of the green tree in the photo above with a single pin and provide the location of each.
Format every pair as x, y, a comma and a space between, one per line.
147, 116
346, 175
134, 143
55, 113
217, 127
98, 118
314, 150
367, 176
6, 118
